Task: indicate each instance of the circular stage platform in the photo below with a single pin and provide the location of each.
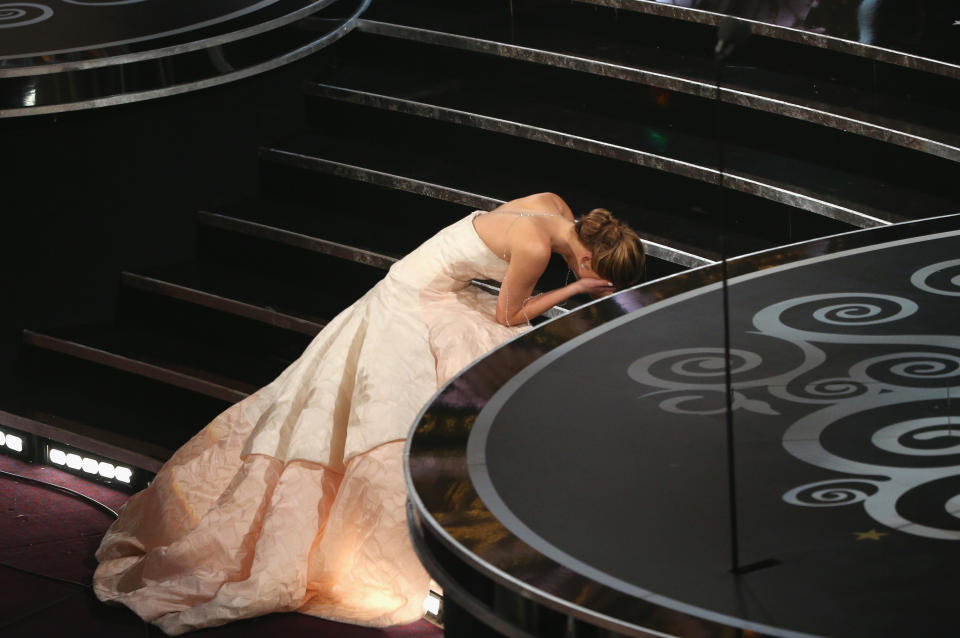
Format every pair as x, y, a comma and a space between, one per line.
78, 54
584, 466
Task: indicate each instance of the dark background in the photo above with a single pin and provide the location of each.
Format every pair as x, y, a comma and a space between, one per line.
87, 194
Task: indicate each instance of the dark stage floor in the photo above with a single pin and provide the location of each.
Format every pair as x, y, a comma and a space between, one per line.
603, 464
47, 542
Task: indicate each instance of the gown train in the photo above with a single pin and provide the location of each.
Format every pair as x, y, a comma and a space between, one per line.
293, 498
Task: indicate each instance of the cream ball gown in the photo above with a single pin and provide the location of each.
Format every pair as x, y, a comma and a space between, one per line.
293, 499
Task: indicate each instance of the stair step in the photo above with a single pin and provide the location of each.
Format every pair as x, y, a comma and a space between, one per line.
749, 171
334, 283
126, 417
829, 27
299, 225
862, 182
373, 218
300, 172
259, 232
247, 294
189, 364
882, 101
659, 205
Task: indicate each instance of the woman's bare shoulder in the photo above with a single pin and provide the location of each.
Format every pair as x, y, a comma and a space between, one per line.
548, 203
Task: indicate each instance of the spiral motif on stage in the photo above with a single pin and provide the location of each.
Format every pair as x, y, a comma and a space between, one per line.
831, 493
691, 367
911, 369
835, 315
942, 278
929, 436
20, 14
891, 416
835, 389
709, 362
701, 370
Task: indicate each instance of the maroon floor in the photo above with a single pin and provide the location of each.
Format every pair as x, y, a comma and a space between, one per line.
47, 541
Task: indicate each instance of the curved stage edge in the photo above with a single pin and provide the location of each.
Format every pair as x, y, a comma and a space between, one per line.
574, 481
122, 61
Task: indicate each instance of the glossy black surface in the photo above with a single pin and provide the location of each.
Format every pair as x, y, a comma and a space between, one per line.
792, 78
201, 52
87, 30
917, 28
407, 146
665, 508
860, 181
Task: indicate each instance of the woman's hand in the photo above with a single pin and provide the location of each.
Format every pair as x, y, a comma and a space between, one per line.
594, 287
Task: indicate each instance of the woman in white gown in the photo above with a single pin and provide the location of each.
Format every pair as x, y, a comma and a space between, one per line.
293, 499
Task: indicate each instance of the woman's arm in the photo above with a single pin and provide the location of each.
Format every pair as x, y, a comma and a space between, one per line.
534, 306
529, 258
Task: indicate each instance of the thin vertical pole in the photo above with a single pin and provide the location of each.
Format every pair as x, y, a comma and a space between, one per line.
728, 374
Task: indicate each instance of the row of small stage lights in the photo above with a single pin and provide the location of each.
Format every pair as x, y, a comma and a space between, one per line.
27, 447
35, 449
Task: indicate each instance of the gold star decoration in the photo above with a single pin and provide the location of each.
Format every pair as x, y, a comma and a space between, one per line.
872, 535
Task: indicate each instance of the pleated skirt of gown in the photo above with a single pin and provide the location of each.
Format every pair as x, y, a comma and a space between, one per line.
294, 498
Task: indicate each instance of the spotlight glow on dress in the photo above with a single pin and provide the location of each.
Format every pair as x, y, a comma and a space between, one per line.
58, 456
15, 443
74, 461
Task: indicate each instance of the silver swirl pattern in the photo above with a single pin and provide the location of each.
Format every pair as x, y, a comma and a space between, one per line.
21, 14
832, 493
834, 389
689, 366
914, 437
895, 399
709, 362
945, 276
910, 369
851, 309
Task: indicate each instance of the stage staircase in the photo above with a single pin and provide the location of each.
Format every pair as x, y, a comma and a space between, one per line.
430, 109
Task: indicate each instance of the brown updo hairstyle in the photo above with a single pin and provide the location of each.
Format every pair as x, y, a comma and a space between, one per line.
616, 249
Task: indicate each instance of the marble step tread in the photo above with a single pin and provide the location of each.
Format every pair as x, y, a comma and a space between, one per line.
260, 296
911, 109
326, 156
659, 205
381, 236
918, 37
675, 133
99, 409
362, 226
325, 152
225, 373
397, 227
370, 211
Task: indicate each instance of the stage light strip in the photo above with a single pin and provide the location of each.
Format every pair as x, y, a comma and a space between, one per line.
79, 462
11, 441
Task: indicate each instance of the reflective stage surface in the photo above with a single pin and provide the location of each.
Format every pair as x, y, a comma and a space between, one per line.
921, 33
79, 54
72, 25
584, 465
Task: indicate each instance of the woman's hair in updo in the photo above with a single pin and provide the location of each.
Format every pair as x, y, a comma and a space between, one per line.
616, 249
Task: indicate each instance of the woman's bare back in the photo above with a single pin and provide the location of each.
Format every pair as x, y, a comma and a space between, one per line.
522, 220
